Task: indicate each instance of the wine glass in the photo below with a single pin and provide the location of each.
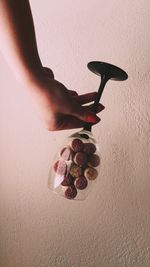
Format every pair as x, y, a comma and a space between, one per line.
75, 167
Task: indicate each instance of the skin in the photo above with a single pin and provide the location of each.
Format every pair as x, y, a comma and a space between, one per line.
58, 107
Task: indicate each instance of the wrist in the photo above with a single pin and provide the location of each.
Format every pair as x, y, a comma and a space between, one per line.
37, 75
39, 82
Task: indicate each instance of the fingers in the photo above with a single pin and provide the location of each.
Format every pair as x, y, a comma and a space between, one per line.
86, 98
99, 108
70, 122
83, 113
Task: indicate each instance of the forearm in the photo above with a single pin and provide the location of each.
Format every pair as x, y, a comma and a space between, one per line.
17, 38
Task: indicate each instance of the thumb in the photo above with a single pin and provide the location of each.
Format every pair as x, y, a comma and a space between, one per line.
85, 114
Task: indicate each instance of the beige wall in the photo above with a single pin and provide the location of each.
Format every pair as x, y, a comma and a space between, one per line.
110, 228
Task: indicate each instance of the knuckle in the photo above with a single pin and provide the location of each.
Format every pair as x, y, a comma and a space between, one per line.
50, 125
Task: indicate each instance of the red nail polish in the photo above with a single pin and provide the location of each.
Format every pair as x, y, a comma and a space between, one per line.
92, 118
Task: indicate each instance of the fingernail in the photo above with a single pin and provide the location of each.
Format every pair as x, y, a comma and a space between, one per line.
92, 118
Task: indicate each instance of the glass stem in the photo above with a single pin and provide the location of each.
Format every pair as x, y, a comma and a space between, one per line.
104, 79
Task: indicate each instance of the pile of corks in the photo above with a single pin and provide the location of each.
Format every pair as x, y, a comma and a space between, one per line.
83, 163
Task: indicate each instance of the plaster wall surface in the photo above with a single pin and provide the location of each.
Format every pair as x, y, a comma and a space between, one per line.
112, 227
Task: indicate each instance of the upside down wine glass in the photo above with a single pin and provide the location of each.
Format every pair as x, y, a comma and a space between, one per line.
75, 167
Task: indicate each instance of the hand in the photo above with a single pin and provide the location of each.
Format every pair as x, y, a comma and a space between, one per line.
60, 108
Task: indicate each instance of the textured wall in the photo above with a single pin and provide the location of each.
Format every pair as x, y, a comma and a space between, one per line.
110, 228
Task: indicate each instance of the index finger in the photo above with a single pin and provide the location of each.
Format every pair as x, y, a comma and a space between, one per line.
86, 98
